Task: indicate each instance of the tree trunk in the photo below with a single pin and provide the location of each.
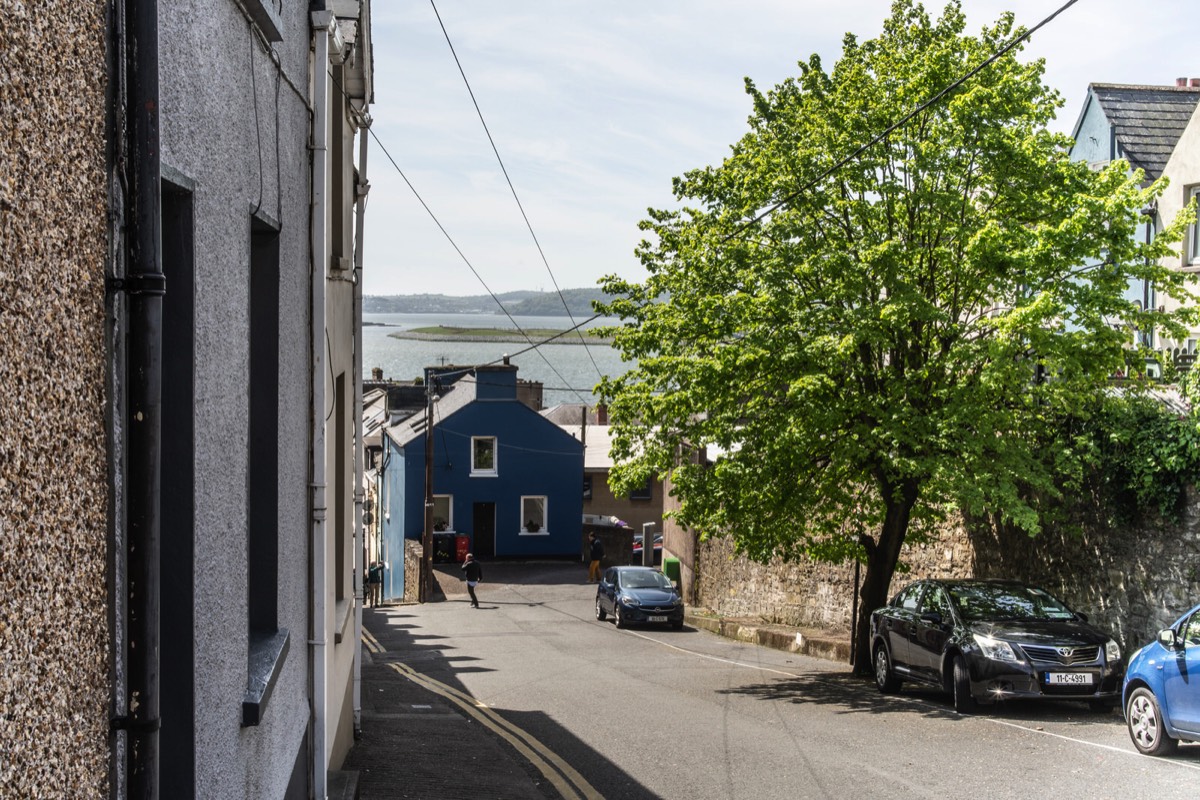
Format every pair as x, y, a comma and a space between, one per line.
882, 557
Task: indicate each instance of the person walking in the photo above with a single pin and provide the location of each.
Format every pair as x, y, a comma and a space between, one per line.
473, 572
597, 553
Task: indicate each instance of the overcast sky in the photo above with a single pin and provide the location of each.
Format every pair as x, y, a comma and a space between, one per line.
595, 106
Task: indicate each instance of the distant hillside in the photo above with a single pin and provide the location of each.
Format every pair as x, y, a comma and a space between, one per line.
546, 304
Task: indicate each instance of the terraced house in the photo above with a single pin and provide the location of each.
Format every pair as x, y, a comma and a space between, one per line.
180, 229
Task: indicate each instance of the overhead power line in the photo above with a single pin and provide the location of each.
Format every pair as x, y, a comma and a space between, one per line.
899, 124
511, 187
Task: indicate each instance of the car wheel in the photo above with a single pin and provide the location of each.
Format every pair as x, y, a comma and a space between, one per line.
1145, 722
600, 615
964, 703
678, 626
618, 617
885, 677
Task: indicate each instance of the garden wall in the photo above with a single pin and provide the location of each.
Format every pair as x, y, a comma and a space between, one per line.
1131, 580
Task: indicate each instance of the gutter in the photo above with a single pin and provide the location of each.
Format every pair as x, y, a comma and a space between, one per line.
322, 23
361, 187
143, 285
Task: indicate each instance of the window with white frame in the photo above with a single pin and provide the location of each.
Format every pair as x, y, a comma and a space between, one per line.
483, 455
533, 514
443, 512
1193, 235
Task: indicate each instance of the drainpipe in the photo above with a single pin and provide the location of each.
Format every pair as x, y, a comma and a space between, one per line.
360, 191
143, 285
322, 22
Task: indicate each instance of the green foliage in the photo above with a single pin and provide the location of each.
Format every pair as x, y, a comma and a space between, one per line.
1146, 455
878, 349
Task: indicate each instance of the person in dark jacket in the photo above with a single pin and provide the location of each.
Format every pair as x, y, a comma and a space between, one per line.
597, 553
473, 572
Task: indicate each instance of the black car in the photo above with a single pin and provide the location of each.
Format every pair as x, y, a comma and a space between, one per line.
983, 641
638, 595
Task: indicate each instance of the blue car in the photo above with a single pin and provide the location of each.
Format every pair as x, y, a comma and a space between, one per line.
640, 595
1162, 688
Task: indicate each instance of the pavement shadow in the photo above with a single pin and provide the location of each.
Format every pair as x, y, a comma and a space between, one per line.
463, 749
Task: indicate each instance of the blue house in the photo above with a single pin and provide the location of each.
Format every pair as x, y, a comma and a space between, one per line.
503, 475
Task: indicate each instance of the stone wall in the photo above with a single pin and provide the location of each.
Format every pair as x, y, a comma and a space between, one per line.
1130, 580
810, 593
54, 699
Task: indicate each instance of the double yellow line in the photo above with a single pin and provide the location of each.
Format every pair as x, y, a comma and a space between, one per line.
569, 783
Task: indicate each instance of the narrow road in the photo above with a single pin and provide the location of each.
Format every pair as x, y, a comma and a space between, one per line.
663, 714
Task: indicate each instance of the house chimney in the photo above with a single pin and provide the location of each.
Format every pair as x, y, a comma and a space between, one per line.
1196, 83
376, 373
601, 414
1181, 83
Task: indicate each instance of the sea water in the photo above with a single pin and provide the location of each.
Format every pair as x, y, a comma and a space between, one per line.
568, 372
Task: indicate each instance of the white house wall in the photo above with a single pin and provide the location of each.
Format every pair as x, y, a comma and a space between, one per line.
1183, 171
210, 69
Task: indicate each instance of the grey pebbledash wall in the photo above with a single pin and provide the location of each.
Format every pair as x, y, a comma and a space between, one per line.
1130, 580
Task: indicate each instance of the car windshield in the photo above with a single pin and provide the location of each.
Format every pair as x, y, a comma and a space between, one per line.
644, 580
993, 602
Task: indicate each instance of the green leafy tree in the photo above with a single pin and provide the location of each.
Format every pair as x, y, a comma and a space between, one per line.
897, 338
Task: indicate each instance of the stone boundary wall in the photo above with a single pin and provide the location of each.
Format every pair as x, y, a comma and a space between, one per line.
1131, 581
810, 594
412, 570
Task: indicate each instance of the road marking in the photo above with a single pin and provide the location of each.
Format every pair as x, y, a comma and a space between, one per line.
1120, 750
569, 783
918, 701
758, 667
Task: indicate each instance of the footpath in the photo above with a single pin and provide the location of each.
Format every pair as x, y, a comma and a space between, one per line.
420, 741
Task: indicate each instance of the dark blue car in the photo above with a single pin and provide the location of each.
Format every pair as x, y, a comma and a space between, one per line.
641, 595
1162, 688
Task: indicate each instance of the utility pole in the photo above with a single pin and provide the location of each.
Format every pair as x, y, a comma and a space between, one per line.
427, 539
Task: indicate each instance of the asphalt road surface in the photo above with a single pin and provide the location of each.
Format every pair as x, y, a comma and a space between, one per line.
687, 714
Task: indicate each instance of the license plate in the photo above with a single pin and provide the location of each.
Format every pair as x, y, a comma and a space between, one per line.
658, 619
1069, 678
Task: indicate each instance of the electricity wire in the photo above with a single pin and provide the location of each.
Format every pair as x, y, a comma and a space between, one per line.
897, 125
511, 187
450, 239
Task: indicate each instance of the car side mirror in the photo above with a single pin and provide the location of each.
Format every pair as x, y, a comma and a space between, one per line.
1082, 617
1169, 639
932, 617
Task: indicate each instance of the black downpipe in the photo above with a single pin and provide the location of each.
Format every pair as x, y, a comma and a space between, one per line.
144, 286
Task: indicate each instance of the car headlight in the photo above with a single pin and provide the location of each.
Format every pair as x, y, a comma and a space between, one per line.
1112, 651
629, 601
996, 649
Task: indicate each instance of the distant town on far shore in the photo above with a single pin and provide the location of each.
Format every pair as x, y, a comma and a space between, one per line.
520, 303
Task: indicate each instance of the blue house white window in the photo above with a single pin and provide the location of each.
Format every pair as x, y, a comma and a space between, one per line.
483, 455
533, 514
443, 512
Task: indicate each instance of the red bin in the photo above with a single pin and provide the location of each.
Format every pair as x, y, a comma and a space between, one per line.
462, 546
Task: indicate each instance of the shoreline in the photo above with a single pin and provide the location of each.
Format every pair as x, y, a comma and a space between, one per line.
499, 337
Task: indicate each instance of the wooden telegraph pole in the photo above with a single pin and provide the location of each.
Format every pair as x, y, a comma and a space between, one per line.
427, 538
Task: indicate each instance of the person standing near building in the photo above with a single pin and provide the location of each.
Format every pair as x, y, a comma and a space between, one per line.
374, 582
597, 553
473, 572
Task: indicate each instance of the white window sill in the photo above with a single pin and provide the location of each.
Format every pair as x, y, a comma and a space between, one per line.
485, 474
524, 532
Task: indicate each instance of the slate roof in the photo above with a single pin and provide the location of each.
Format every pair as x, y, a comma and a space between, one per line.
460, 395
1147, 120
